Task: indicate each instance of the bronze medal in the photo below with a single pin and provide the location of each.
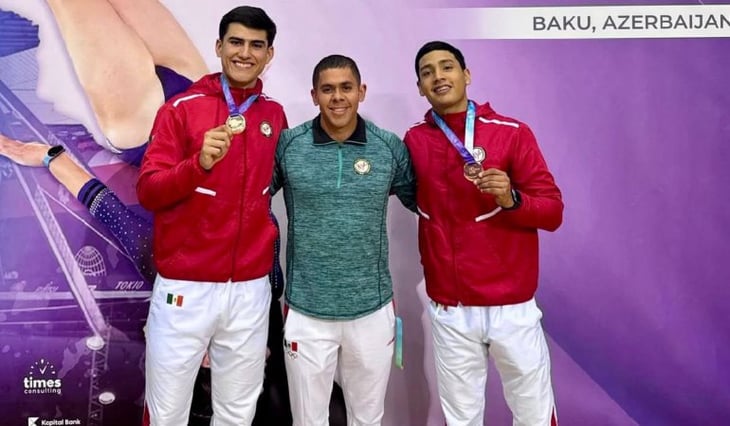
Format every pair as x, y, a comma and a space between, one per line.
472, 170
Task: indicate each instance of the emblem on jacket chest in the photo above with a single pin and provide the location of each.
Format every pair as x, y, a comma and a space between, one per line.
479, 154
361, 166
266, 129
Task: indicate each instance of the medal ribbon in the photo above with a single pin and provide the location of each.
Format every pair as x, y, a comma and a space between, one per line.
465, 148
232, 109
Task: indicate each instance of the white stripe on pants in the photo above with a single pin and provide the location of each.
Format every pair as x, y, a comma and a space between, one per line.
364, 348
465, 336
231, 321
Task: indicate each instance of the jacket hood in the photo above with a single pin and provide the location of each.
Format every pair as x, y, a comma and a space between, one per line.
211, 85
483, 110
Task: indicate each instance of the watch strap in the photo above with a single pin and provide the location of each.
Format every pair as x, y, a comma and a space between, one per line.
516, 198
52, 153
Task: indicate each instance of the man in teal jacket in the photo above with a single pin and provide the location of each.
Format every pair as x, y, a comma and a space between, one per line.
338, 171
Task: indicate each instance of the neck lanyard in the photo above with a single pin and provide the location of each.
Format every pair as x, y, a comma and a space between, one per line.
471, 166
235, 121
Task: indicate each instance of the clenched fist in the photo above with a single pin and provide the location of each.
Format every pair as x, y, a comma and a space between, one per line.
215, 146
496, 182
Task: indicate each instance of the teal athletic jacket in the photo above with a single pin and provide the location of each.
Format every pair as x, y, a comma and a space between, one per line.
336, 197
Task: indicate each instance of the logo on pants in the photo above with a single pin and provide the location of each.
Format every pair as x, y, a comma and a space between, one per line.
292, 349
174, 299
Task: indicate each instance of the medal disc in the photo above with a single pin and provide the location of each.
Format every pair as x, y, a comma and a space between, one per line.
472, 170
237, 123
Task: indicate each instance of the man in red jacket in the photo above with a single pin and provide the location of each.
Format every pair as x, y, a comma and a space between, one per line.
206, 176
483, 192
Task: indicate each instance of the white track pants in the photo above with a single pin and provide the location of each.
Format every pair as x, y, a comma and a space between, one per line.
231, 321
361, 350
465, 336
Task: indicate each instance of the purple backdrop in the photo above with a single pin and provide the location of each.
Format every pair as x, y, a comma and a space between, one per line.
633, 285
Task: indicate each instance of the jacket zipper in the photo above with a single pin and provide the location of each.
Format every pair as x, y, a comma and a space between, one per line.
339, 160
240, 210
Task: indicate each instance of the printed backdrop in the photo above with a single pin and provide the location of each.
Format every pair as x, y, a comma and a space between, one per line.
633, 124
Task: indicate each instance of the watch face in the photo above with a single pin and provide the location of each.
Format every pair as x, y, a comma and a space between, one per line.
55, 150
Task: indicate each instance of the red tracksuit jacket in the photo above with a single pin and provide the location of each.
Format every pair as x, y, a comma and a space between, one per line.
211, 225
471, 255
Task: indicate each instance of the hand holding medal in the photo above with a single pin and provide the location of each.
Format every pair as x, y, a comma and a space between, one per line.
491, 181
216, 142
496, 182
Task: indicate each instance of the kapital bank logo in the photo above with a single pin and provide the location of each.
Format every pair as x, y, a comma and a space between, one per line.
37, 421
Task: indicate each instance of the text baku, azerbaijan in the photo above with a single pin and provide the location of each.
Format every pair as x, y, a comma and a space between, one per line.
631, 22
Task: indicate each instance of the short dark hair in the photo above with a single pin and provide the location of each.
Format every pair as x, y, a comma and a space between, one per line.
335, 61
439, 45
251, 17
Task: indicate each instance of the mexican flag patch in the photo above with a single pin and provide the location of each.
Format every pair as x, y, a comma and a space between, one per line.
174, 299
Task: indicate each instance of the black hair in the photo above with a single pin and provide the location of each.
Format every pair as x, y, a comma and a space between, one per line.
251, 17
438, 45
335, 61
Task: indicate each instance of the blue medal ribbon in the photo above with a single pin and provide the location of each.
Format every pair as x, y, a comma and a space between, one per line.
232, 108
462, 148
